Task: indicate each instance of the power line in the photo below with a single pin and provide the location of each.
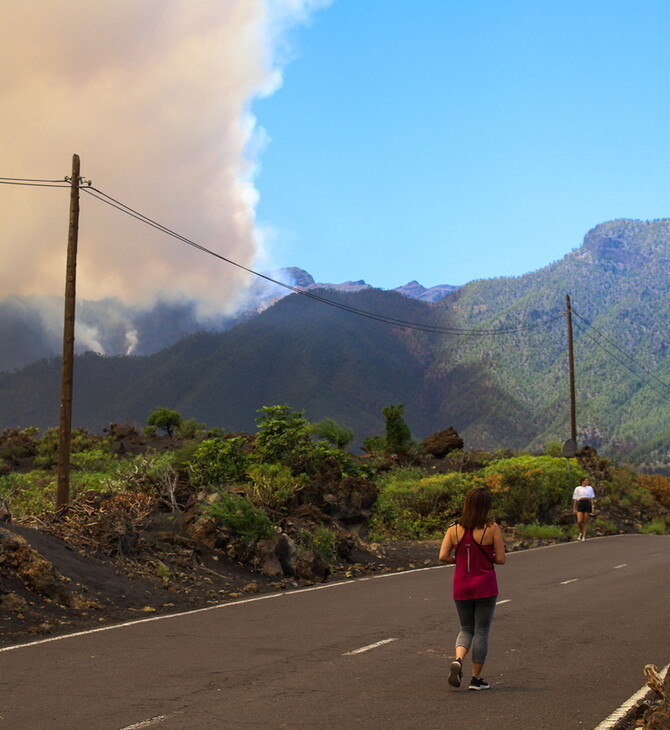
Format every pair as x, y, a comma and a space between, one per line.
122, 207
622, 351
585, 331
31, 179
35, 183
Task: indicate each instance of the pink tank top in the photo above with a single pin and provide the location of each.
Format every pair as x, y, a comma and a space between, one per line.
475, 576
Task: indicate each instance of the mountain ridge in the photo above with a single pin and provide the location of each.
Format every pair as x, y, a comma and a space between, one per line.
500, 377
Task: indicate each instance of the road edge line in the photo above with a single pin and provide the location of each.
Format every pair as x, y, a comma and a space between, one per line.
623, 713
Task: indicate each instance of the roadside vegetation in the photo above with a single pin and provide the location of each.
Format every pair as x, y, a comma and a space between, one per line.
296, 479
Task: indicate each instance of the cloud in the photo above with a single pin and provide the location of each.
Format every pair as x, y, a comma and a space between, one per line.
154, 96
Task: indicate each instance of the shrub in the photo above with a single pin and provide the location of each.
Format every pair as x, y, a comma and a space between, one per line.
219, 461
283, 437
16, 444
80, 440
95, 459
28, 494
245, 521
150, 473
190, 429
272, 485
604, 526
534, 531
655, 527
528, 488
657, 485
322, 540
553, 448
413, 506
328, 429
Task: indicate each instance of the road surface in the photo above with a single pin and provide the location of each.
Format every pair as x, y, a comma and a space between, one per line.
575, 624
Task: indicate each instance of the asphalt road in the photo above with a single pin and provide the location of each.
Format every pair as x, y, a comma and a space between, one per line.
575, 624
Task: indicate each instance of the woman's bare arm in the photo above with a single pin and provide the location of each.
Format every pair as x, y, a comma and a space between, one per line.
447, 547
499, 557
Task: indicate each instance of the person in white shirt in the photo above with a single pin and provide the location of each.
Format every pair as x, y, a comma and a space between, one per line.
583, 505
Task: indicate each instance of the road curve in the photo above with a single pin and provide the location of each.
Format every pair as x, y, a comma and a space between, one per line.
574, 627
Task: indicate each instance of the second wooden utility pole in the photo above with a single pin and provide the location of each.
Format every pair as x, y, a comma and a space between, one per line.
571, 360
67, 367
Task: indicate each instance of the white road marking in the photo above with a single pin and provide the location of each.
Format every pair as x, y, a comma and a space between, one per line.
286, 595
369, 646
623, 565
504, 600
572, 580
283, 594
146, 723
630, 704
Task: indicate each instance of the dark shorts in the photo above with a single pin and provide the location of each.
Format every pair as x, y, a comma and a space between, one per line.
584, 505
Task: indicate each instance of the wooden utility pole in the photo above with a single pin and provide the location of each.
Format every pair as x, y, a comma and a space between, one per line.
571, 360
67, 368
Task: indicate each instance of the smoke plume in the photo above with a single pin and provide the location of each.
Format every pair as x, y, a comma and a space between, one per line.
154, 96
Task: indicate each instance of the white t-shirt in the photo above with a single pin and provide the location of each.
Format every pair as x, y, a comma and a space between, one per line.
583, 492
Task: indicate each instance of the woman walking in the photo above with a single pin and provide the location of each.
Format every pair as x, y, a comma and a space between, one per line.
475, 544
583, 505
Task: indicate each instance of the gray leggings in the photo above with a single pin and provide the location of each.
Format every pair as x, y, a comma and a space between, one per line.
475, 617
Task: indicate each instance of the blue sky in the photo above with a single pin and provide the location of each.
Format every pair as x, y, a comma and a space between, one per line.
452, 140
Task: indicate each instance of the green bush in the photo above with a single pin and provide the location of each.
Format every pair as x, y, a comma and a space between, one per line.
604, 526
284, 437
28, 494
655, 527
272, 485
331, 431
413, 506
95, 459
529, 488
322, 540
150, 473
534, 531
217, 462
245, 521
80, 440
190, 429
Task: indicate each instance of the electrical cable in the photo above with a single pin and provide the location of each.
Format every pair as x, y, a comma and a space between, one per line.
31, 179
622, 351
621, 362
122, 207
36, 184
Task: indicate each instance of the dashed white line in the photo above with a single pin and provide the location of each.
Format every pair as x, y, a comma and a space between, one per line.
572, 580
369, 646
623, 565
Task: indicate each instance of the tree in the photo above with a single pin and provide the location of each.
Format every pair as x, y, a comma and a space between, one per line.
165, 419
328, 429
398, 435
283, 435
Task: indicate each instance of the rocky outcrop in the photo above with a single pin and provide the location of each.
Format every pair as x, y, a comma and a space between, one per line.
37, 573
442, 442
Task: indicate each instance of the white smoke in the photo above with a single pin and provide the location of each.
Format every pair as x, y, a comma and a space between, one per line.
154, 96
132, 340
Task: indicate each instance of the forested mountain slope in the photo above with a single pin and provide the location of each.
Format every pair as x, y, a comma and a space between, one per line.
619, 282
508, 389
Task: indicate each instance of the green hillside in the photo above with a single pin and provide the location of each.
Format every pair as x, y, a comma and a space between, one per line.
508, 389
619, 282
